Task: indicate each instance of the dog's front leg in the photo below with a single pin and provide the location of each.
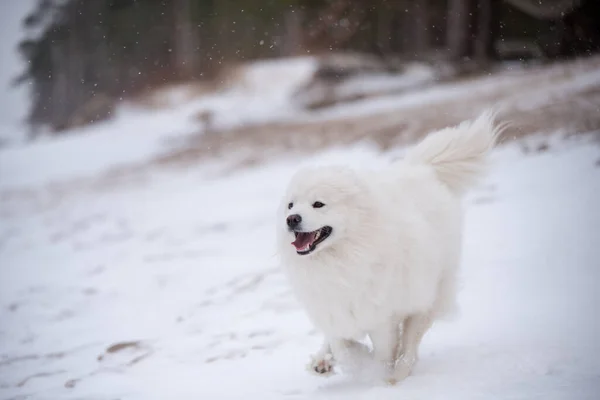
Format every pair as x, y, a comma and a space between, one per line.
322, 362
334, 351
386, 346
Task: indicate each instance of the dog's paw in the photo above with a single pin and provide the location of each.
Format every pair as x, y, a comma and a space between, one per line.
322, 365
401, 370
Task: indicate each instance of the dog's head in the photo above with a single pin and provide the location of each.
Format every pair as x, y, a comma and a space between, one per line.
321, 208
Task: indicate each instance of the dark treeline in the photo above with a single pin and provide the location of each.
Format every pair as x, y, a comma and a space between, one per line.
85, 55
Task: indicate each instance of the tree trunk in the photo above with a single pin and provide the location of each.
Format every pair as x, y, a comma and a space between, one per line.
184, 39
60, 85
460, 28
487, 30
420, 27
76, 57
292, 42
384, 28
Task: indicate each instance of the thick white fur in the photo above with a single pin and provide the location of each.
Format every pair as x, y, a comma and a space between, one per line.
392, 258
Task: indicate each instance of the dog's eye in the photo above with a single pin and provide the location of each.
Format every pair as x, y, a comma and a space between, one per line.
318, 204
290, 206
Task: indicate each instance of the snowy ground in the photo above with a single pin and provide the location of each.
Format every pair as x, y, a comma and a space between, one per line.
168, 288
258, 112
261, 92
160, 281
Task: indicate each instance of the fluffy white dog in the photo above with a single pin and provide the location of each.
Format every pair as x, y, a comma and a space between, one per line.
376, 253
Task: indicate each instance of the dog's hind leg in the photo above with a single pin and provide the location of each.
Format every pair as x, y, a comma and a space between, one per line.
415, 326
413, 330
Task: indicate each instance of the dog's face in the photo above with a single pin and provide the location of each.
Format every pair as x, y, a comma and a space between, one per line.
320, 207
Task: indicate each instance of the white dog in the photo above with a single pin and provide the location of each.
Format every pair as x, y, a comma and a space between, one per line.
376, 253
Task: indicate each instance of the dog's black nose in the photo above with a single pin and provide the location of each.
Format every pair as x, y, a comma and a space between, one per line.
294, 220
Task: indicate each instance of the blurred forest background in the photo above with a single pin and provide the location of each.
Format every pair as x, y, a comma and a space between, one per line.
84, 56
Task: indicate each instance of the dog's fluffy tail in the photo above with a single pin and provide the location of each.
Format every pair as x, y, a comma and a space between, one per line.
458, 155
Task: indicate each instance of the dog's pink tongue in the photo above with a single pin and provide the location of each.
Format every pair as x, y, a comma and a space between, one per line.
302, 240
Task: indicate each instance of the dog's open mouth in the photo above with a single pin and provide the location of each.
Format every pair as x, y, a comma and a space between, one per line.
307, 242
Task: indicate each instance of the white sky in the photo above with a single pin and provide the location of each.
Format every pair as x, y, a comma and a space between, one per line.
13, 102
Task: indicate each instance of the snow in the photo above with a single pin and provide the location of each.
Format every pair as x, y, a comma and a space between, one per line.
165, 284
265, 92
259, 92
132, 137
254, 93
369, 85
414, 75
178, 270
549, 83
